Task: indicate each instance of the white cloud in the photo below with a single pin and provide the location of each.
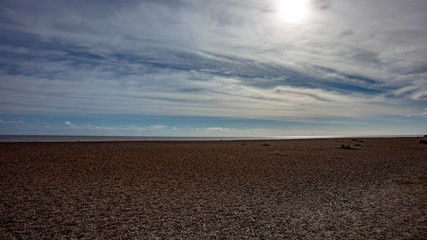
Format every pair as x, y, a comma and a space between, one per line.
420, 96
11, 122
163, 130
405, 90
157, 127
153, 94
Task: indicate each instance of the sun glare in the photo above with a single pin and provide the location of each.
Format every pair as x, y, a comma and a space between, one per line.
293, 11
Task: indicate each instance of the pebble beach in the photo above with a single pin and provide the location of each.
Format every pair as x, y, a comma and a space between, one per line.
371, 188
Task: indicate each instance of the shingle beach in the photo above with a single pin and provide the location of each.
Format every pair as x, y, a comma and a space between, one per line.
373, 188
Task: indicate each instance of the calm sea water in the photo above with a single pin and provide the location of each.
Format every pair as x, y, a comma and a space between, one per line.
54, 138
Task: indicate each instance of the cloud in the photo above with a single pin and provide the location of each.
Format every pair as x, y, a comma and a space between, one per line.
209, 94
7, 11
420, 96
163, 130
221, 58
15, 122
422, 113
405, 90
322, 4
347, 33
157, 127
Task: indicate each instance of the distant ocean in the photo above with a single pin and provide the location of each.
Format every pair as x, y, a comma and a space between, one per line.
56, 138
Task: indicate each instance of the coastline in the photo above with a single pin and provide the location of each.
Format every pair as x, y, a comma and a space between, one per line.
70, 138
303, 188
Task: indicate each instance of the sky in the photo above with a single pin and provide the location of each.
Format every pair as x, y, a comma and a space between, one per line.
213, 68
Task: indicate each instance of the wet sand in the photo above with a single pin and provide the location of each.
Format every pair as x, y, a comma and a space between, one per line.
296, 189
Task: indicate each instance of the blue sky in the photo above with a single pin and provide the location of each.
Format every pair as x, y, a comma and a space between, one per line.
213, 68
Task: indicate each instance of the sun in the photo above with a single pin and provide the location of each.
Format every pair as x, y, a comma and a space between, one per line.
293, 11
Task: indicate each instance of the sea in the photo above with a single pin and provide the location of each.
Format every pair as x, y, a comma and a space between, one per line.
59, 138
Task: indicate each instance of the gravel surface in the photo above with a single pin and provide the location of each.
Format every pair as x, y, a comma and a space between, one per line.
296, 189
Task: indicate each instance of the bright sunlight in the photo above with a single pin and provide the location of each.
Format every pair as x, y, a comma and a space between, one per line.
293, 11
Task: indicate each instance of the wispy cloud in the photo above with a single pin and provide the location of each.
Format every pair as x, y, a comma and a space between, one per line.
15, 122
